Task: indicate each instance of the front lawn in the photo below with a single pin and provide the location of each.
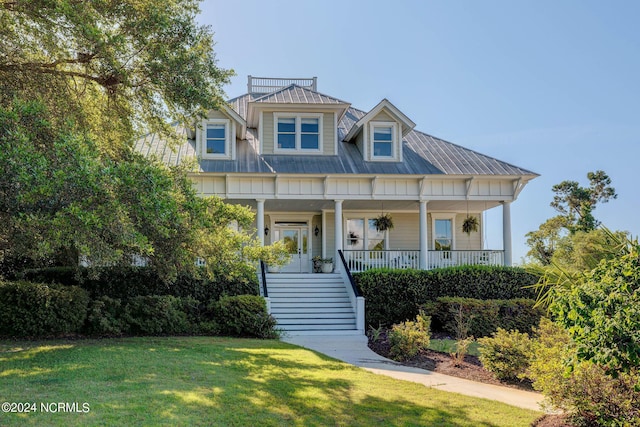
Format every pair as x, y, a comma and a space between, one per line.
219, 381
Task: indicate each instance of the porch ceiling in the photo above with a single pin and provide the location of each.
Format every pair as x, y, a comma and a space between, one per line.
287, 205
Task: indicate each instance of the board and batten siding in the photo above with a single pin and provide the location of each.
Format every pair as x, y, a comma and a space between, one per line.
328, 134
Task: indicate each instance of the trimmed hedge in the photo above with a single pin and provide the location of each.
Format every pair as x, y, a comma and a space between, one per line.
41, 310
128, 282
394, 296
483, 317
243, 316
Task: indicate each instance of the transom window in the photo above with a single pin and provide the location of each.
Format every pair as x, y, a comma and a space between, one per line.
301, 132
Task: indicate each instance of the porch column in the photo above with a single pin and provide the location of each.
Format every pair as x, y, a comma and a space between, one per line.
506, 232
260, 220
424, 239
338, 227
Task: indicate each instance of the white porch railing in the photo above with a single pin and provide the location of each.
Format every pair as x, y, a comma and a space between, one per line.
439, 259
364, 260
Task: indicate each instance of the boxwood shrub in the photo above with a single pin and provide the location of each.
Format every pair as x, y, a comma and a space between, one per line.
393, 296
482, 318
41, 310
243, 316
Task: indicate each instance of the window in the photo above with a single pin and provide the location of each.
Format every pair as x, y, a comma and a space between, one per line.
300, 132
215, 137
382, 141
359, 237
383, 138
443, 234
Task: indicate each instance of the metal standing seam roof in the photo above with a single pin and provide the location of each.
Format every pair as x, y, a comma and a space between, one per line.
423, 154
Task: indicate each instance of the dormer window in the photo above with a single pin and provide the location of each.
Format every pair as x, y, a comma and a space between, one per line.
384, 140
297, 132
215, 138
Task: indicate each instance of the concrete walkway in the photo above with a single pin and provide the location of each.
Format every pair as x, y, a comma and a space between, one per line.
353, 349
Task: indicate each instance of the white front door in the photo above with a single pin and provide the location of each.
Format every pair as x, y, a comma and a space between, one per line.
296, 239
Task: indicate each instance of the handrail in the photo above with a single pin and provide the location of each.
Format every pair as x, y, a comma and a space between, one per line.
356, 291
264, 279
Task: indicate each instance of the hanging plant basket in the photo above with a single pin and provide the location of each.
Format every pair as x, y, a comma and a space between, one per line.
470, 224
383, 222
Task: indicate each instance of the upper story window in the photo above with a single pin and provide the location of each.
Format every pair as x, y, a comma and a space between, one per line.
215, 139
298, 132
384, 140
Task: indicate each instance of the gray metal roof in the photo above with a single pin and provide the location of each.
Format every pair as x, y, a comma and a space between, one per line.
295, 94
423, 154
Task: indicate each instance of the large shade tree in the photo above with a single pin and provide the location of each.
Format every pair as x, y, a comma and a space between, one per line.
79, 82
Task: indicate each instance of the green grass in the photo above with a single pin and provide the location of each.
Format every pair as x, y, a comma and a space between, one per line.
449, 346
218, 381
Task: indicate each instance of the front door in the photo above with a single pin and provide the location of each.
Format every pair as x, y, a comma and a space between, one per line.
296, 240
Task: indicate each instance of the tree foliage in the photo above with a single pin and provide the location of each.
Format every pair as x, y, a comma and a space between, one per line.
59, 198
575, 205
117, 67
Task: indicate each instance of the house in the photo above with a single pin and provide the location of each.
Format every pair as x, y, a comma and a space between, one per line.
318, 172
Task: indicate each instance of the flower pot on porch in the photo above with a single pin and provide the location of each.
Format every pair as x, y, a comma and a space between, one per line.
327, 265
273, 269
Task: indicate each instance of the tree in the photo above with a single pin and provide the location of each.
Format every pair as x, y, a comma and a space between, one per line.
575, 205
116, 67
59, 199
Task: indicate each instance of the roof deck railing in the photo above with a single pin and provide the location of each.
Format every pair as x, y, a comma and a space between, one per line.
271, 84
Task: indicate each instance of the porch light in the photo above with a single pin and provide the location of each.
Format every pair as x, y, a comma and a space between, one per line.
316, 231
266, 231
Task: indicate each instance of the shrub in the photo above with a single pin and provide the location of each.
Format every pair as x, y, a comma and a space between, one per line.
584, 391
410, 337
461, 317
105, 317
506, 354
124, 282
394, 296
243, 316
159, 314
40, 310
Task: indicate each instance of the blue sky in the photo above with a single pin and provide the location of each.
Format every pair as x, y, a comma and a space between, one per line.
551, 86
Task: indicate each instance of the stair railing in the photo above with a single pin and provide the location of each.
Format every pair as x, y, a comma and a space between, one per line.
263, 271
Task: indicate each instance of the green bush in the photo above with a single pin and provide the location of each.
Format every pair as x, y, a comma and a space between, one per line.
506, 354
585, 391
159, 315
40, 310
242, 316
410, 337
394, 296
481, 318
124, 282
105, 317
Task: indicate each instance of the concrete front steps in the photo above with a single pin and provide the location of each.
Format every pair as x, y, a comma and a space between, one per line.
311, 304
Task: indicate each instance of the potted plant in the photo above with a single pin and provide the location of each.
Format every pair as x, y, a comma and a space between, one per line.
383, 222
327, 265
275, 256
317, 264
470, 224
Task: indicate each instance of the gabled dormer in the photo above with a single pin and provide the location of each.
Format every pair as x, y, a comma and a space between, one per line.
292, 118
216, 134
379, 133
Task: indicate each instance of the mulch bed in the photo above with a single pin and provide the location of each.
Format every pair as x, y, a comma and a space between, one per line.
470, 369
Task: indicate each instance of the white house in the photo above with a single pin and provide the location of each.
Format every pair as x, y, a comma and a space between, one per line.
318, 172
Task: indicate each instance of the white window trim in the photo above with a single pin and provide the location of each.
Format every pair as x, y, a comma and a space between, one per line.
298, 117
450, 216
365, 238
395, 149
229, 133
